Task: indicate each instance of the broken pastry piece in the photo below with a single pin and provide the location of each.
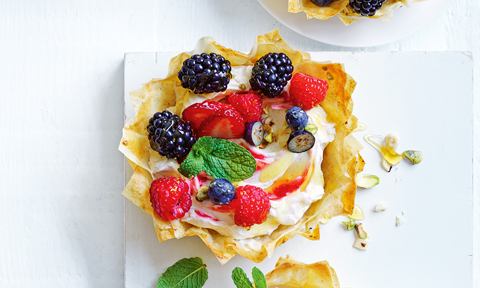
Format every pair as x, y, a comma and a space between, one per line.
289, 273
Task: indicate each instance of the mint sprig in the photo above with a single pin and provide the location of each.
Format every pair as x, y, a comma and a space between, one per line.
192, 273
259, 278
186, 273
221, 159
241, 279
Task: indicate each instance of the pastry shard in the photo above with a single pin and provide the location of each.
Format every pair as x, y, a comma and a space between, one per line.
342, 9
289, 273
340, 165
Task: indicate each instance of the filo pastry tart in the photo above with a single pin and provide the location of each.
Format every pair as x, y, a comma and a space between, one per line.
322, 188
342, 9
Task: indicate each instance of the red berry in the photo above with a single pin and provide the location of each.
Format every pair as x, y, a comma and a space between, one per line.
170, 197
226, 123
252, 205
249, 105
306, 91
198, 112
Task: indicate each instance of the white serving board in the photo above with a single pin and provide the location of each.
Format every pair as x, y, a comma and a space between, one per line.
424, 97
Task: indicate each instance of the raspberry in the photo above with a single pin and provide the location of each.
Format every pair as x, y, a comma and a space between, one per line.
306, 91
170, 197
252, 206
249, 105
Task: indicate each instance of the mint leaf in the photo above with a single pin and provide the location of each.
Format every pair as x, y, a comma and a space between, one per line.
230, 161
192, 165
204, 145
259, 278
186, 273
240, 278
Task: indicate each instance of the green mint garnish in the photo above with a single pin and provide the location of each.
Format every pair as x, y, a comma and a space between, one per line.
186, 273
221, 159
240, 279
259, 278
204, 145
192, 165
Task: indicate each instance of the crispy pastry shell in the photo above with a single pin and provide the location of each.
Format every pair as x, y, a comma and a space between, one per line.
340, 165
343, 11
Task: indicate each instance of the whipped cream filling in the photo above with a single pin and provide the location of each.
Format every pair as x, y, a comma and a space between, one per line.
287, 208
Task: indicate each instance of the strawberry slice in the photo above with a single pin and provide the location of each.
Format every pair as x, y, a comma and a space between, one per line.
198, 112
249, 105
226, 123
306, 91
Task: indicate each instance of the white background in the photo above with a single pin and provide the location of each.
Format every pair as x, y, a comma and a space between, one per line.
61, 113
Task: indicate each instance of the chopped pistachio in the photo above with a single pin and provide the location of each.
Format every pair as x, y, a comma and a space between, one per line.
362, 239
265, 110
400, 220
264, 144
362, 234
243, 87
349, 223
329, 76
382, 206
268, 138
366, 180
202, 193
414, 155
324, 68
312, 128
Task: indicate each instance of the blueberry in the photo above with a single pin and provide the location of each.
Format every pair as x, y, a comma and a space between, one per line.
296, 118
221, 191
322, 3
300, 141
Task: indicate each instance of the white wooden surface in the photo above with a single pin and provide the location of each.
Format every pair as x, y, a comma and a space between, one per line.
61, 107
407, 93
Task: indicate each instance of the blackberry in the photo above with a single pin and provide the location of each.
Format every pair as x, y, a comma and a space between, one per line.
271, 73
169, 135
322, 3
205, 73
366, 7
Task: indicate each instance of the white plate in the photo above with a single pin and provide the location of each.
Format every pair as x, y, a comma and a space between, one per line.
366, 32
410, 93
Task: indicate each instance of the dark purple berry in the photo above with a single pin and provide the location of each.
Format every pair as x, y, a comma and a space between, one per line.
205, 73
271, 73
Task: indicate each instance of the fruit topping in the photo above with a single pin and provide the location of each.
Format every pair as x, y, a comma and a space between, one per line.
252, 206
195, 114
366, 7
226, 123
205, 73
170, 197
169, 135
271, 73
322, 3
306, 91
296, 118
249, 105
221, 191
300, 141
254, 133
